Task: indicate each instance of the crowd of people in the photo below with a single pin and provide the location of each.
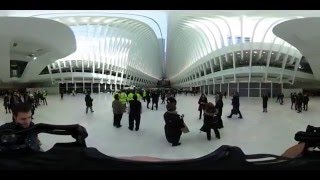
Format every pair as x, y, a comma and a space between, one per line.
34, 99
130, 101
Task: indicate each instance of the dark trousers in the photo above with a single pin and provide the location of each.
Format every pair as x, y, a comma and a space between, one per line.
7, 108
200, 113
61, 96
172, 136
265, 110
117, 119
235, 109
305, 107
45, 101
281, 101
136, 118
163, 101
144, 99
148, 102
88, 108
216, 132
299, 107
156, 102
220, 123
293, 103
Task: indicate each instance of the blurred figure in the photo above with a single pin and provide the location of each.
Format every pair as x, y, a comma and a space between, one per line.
305, 102
293, 100
135, 113
210, 121
117, 111
88, 100
265, 103
219, 106
202, 102
6, 103
235, 105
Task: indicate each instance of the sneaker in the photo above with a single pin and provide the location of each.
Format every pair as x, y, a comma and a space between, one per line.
137, 129
228, 116
131, 129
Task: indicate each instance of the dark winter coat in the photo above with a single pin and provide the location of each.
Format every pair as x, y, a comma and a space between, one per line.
202, 100
173, 125
219, 106
210, 121
135, 107
265, 101
235, 101
88, 100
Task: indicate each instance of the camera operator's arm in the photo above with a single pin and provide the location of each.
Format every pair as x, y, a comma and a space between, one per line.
294, 151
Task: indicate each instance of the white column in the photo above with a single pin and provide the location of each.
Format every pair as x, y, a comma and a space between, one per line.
248, 89
260, 90
99, 88
271, 90
66, 86
91, 87
75, 86
228, 91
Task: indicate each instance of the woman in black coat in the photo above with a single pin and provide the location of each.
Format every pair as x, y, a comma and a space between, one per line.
219, 106
202, 102
174, 123
210, 121
265, 103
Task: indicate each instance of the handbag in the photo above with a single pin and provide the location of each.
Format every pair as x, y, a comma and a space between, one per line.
185, 129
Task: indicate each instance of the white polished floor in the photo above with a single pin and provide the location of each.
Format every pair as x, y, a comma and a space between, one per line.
257, 132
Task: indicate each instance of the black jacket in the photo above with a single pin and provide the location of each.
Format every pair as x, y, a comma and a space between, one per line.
209, 122
202, 100
173, 121
6, 101
172, 100
135, 107
219, 106
264, 101
88, 100
235, 101
31, 140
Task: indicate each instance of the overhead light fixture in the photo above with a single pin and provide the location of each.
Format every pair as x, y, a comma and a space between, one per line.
34, 58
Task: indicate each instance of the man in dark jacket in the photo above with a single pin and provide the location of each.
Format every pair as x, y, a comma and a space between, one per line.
174, 123
235, 105
148, 98
22, 120
265, 103
155, 99
88, 100
135, 113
